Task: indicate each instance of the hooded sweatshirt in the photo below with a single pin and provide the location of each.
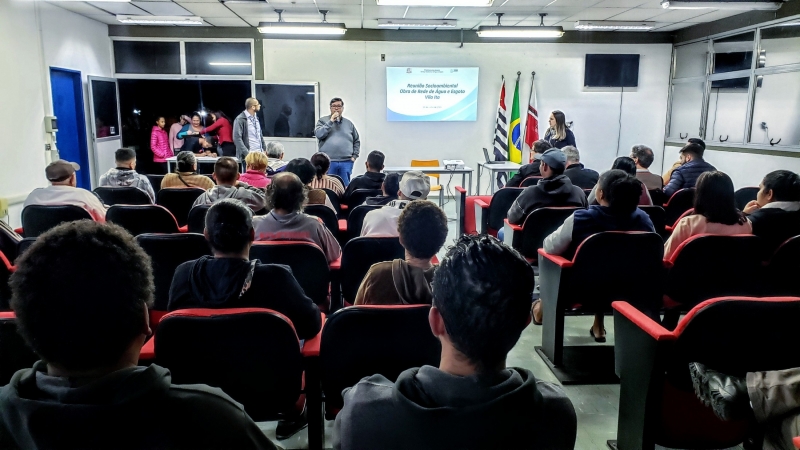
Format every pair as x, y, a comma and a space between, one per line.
555, 191
211, 282
396, 283
253, 197
370, 180
430, 409
133, 408
123, 177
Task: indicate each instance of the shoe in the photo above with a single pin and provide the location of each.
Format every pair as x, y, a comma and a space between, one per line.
289, 427
533, 316
597, 339
725, 394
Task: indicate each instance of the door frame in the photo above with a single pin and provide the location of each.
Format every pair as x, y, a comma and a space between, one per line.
95, 162
83, 141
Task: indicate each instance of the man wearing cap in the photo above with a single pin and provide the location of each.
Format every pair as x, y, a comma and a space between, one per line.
555, 189
63, 191
414, 185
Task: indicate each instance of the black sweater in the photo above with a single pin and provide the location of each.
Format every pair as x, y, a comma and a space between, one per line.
370, 180
569, 139
555, 191
774, 226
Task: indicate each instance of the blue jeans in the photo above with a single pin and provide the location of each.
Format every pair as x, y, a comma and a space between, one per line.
343, 169
501, 233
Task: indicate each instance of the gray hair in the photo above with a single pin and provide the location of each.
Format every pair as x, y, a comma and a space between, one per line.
643, 154
572, 153
185, 161
274, 149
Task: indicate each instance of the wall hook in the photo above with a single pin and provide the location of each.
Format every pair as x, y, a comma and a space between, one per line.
723, 140
775, 143
682, 136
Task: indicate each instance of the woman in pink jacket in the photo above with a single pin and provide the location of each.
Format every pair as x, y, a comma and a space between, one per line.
159, 144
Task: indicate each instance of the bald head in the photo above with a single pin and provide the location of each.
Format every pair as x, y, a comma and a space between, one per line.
252, 105
286, 193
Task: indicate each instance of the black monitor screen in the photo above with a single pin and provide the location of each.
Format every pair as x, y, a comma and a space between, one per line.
611, 71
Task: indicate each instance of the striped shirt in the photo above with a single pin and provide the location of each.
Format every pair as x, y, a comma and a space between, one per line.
328, 183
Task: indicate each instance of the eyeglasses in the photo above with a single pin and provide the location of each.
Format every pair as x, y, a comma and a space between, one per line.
337, 106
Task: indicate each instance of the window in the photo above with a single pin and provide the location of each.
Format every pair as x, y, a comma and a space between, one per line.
776, 111
218, 58
733, 53
727, 110
690, 60
780, 45
687, 109
104, 104
147, 57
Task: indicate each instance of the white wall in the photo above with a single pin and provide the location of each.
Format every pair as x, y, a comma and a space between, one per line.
67, 40
355, 72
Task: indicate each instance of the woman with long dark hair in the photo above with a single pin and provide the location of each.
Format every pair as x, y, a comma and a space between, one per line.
715, 212
322, 162
190, 133
558, 135
224, 130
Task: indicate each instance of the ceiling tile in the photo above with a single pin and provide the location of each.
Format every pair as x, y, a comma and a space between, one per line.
674, 26
597, 13
716, 15
639, 14
217, 10
249, 9
679, 15
226, 22
426, 13
163, 8
104, 18
574, 3
619, 3
119, 8
383, 12
78, 7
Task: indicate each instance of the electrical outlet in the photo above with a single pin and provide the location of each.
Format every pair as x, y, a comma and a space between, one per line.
3, 206
383, 57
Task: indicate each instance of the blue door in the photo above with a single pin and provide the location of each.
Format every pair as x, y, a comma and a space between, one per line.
68, 108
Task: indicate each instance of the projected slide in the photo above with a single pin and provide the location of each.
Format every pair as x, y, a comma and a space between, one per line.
429, 94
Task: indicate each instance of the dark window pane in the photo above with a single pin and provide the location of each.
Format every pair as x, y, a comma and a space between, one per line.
104, 102
287, 110
218, 58
147, 57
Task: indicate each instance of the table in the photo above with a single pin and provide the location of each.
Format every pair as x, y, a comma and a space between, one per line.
439, 171
200, 160
505, 166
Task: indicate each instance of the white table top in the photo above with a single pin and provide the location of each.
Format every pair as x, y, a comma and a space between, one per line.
441, 169
199, 158
505, 165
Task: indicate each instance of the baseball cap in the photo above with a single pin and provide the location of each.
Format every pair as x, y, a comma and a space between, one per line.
60, 170
555, 158
415, 185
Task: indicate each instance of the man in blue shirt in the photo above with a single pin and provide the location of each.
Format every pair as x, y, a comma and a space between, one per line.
692, 165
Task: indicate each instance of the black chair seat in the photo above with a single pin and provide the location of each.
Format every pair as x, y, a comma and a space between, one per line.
140, 219
327, 215
122, 195
37, 219
360, 254
197, 219
179, 201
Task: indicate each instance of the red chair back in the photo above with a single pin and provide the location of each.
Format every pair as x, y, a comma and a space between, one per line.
6, 269
530, 181
122, 195
37, 219
783, 266
678, 204
14, 352
498, 208
540, 224
307, 261
360, 254
744, 195
658, 217
179, 201
355, 220
141, 219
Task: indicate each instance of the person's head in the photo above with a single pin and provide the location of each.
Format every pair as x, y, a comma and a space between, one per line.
779, 186
690, 152
229, 228
558, 123
642, 155
161, 122
256, 161
125, 158
375, 161
540, 147
275, 150
286, 193
62, 173
321, 162
697, 141
552, 163
476, 311
196, 119
81, 293
414, 185
286, 109
337, 105
572, 154
219, 115
186, 162
303, 169
625, 164
185, 119
423, 229
226, 171
252, 105
714, 199
619, 191
391, 184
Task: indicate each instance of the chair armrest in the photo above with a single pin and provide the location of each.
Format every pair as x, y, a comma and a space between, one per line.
19, 231
342, 225
148, 352
512, 234
796, 442
555, 259
335, 264
646, 324
8, 315
481, 216
311, 346
184, 229
461, 190
344, 206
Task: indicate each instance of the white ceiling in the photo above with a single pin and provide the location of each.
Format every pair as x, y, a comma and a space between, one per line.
365, 13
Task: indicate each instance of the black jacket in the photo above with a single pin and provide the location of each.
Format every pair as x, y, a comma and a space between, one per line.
430, 409
582, 177
370, 180
134, 408
774, 226
528, 170
381, 200
556, 191
211, 282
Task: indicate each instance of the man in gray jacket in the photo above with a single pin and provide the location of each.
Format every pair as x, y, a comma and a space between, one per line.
338, 138
125, 174
247, 130
226, 174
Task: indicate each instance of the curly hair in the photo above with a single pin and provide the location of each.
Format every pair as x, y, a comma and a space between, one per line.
423, 229
79, 293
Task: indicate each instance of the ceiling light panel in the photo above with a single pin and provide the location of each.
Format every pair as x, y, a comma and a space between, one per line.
416, 23
460, 3
612, 25
160, 20
302, 28
539, 32
744, 6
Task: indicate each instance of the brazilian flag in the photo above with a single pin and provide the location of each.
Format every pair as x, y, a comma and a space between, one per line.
515, 134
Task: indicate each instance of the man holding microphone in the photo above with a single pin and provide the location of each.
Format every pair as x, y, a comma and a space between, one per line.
338, 138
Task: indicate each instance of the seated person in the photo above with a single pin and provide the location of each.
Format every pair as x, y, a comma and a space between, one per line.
186, 175
286, 221
643, 156
579, 175
414, 185
472, 400
230, 279
275, 154
372, 179
617, 194
322, 162
775, 213
87, 321
532, 169
668, 174
715, 212
389, 188
423, 230
627, 165
256, 174
125, 174
555, 189
226, 174
63, 190
306, 172
691, 166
